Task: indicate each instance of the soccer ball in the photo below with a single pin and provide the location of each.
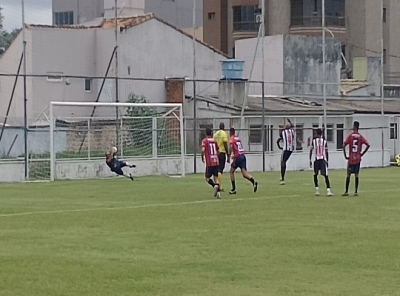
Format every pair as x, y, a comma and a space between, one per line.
114, 150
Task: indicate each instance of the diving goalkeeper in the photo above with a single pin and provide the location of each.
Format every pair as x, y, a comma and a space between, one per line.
116, 165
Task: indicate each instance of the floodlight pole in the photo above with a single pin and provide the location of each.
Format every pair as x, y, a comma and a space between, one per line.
26, 158
262, 78
382, 91
194, 92
117, 144
324, 68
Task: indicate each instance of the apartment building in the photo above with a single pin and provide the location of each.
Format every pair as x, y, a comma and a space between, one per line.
175, 12
358, 24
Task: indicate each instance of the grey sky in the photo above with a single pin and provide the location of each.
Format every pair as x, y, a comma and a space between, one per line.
36, 12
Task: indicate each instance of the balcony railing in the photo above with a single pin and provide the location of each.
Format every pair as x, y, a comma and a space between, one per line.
316, 21
245, 26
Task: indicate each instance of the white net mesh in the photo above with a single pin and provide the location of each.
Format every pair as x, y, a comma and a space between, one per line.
137, 131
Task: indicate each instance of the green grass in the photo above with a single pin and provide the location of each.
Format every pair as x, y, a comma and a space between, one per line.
149, 237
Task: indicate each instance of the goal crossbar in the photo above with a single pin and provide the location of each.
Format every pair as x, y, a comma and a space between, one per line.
174, 106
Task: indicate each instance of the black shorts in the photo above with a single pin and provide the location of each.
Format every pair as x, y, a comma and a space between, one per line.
211, 171
286, 155
117, 166
222, 161
320, 166
354, 168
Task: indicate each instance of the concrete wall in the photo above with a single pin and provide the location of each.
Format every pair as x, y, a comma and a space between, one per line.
391, 41
273, 57
151, 50
155, 50
38, 142
9, 65
303, 68
14, 172
70, 52
293, 64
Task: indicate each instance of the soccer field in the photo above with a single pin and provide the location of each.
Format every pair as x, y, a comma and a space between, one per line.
168, 236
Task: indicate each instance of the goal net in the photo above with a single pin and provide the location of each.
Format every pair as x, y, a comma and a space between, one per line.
148, 135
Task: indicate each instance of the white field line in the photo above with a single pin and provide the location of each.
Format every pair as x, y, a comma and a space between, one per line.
145, 206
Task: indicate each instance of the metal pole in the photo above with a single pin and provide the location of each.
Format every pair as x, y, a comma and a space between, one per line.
116, 77
194, 90
52, 152
25, 98
382, 91
262, 78
263, 124
324, 68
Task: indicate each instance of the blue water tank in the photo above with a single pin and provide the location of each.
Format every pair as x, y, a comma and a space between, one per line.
232, 69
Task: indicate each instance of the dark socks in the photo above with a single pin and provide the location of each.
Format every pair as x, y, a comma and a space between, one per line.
252, 181
357, 180
347, 184
283, 171
328, 184
316, 181
233, 185
211, 182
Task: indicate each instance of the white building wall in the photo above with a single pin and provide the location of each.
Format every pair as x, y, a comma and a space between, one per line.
68, 52
245, 50
155, 50
9, 65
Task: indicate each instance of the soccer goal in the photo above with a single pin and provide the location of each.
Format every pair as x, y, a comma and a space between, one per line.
149, 135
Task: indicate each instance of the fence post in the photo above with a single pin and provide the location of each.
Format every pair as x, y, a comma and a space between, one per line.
88, 132
121, 146
263, 123
154, 137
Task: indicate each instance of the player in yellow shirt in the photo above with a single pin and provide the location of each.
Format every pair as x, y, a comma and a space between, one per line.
221, 138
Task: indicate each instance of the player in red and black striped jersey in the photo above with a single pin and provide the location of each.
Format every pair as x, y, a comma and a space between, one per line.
355, 141
209, 156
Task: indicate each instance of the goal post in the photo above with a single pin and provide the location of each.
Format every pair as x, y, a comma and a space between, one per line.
150, 134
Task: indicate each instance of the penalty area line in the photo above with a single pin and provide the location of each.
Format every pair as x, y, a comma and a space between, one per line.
145, 206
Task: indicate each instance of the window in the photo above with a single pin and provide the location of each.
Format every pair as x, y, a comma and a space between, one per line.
244, 18
309, 13
393, 131
64, 18
211, 15
315, 126
329, 133
339, 136
343, 56
299, 136
384, 56
296, 12
54, 77
88, 84
384, 15
203, 131
255, 135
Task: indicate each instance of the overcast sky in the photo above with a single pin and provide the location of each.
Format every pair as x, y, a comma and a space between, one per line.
36, 12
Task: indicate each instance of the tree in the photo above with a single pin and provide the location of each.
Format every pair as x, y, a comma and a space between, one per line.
1, 19
6, 38
140, 123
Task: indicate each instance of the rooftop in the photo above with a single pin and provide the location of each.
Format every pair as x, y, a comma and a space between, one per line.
123, 23
301, 106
